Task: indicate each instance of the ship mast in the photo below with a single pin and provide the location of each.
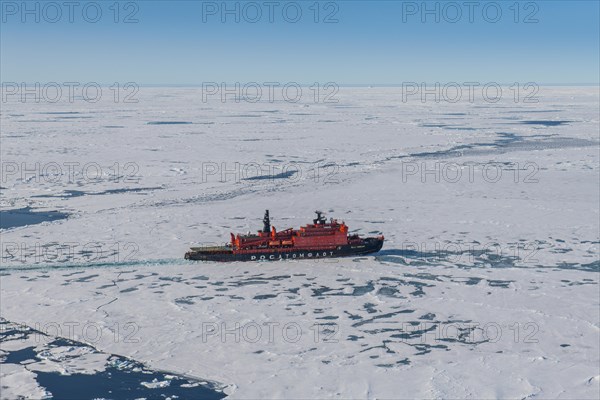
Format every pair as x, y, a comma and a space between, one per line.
266, 222
320, 219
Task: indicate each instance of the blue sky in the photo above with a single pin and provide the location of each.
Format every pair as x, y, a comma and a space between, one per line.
372, 42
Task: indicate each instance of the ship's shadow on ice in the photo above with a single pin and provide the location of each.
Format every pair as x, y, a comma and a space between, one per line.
473, 259
462, 259
407, 253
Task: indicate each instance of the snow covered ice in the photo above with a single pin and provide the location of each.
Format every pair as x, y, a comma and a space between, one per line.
486, 287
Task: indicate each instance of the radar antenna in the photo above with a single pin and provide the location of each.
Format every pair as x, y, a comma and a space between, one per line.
320, 219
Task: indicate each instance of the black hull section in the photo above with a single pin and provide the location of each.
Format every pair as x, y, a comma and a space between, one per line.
369, 245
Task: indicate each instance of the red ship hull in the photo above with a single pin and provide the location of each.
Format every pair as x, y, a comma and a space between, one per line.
369, 245
313, 241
